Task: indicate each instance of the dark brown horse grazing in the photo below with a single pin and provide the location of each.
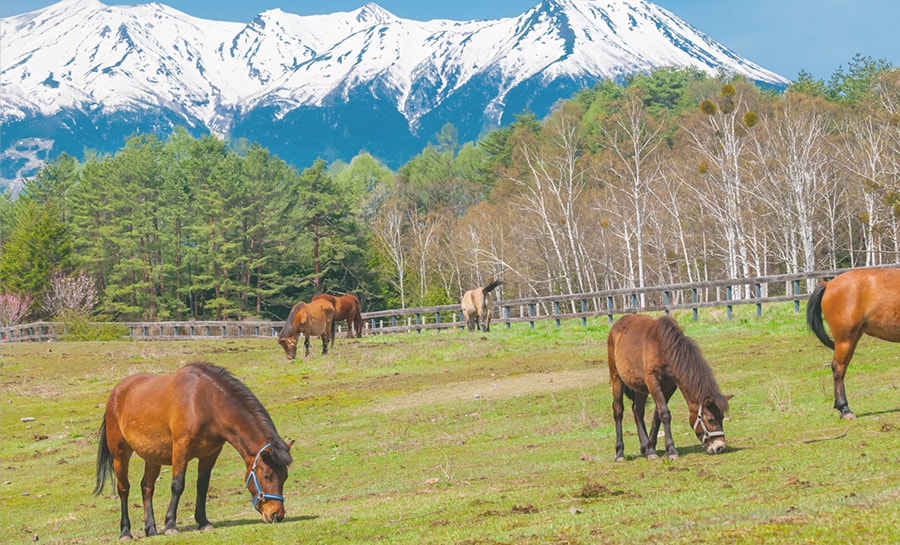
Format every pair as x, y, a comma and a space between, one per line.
313, 319
654, 357
855, 302
346, 307
192, 413
476, 305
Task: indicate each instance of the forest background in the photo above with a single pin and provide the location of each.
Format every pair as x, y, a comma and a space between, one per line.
667, 177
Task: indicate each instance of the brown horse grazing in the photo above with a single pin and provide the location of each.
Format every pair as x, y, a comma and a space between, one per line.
313, 319
346, 307
192, 413
855, 302
476, 305
654, 357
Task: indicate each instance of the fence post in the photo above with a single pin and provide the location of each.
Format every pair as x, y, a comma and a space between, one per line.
796, 291
609, 308
531, 313
583, 312
507, 313
556, 312
728, 300
666, 301
758, 302
695, 298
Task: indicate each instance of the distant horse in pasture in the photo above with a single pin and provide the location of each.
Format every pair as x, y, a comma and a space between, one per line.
172, 419
653, 357
313, 319
476, 305
346, 307
855, 302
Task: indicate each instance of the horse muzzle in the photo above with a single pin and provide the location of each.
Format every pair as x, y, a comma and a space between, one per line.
272, 511
716, 446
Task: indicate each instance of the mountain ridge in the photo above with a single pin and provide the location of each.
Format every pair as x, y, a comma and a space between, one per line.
91, 63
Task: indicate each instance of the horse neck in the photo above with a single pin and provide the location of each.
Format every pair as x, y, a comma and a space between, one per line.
243, 429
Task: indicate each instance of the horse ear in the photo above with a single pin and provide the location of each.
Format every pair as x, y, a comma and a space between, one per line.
728, 397
291, 444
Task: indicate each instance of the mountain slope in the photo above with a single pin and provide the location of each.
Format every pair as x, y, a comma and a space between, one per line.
85, 74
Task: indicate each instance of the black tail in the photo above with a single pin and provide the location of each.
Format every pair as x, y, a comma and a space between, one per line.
493, 285
333, 329
104, 462
814, 315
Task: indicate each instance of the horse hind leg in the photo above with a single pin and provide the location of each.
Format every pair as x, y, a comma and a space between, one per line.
618, 410
843, 351
148, 486
123, 487
638, 405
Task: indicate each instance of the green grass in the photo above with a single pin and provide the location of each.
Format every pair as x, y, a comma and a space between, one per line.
457, 438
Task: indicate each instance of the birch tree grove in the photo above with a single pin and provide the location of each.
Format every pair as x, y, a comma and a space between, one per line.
668, 177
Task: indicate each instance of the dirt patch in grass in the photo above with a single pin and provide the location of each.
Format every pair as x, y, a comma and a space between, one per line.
494, 388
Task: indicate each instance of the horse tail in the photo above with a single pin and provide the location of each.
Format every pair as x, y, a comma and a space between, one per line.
358, 322
492, 285
814, 315
104, 462
333, 329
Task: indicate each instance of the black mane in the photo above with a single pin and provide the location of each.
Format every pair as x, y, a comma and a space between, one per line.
692, 372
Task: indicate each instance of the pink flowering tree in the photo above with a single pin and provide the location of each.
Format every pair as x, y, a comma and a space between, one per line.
70, 296
13, 308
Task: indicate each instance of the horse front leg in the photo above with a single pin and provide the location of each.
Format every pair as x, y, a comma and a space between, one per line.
179, 468
204, 471
148, 486
665, 416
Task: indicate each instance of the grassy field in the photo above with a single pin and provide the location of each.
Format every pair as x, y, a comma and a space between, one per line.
458, 438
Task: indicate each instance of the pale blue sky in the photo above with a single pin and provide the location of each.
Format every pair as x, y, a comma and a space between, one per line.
784, 36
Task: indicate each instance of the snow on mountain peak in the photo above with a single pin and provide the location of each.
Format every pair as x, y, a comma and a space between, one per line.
85, 57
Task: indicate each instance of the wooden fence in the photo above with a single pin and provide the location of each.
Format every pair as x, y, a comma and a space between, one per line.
583, 306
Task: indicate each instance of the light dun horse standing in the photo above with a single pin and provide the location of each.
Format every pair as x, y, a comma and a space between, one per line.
172, 419
346, 307
476, 305
314, 319
855, 302
654, 357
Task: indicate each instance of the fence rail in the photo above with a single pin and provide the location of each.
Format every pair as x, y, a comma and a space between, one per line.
583, 306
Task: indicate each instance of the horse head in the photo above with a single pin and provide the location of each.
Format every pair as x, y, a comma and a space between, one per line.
289, 344
706, 418
265, 482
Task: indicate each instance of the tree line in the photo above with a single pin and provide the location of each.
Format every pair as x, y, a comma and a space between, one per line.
672, 176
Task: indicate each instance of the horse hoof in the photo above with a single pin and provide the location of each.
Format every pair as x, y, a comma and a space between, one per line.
673, 457
848, 416
652, 457
126, 538
620, 458
205, 528
171, 531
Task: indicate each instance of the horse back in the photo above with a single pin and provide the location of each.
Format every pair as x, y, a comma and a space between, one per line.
868, 298
633, 350
152, 412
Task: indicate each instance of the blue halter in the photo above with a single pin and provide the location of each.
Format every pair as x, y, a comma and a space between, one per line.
259, 498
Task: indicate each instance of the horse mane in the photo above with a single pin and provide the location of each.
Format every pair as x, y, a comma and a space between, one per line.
280, 452
288, 328
690, 369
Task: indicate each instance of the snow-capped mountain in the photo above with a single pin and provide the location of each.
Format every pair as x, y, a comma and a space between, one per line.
86, 75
